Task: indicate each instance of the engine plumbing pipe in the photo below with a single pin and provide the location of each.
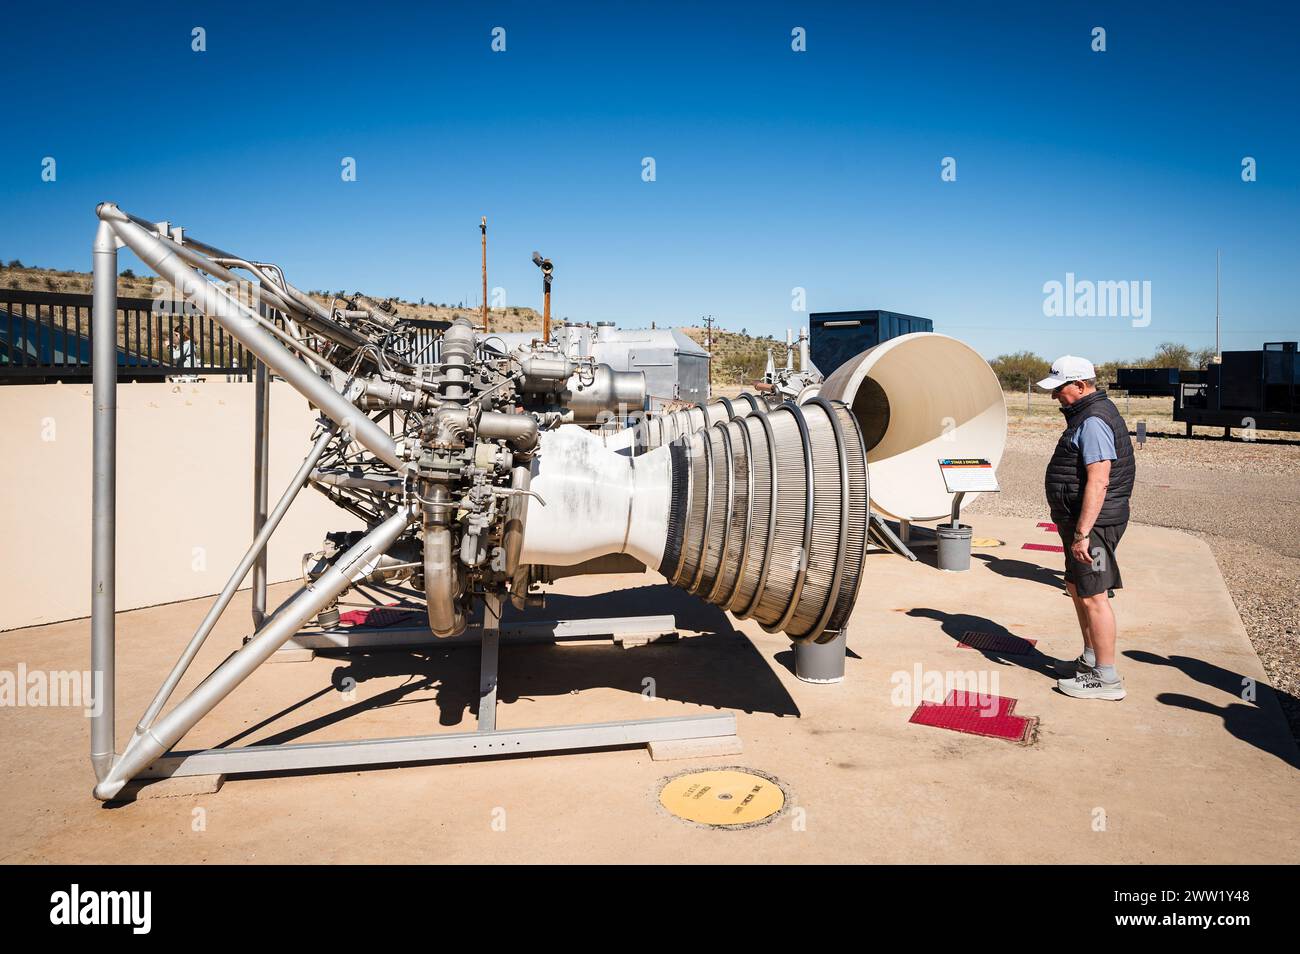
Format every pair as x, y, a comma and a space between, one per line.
451, 424
442, 582
457, 353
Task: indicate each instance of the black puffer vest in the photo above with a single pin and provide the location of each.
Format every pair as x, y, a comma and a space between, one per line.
1066, 473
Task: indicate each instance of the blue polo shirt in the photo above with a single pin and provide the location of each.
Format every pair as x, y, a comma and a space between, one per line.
1095, 440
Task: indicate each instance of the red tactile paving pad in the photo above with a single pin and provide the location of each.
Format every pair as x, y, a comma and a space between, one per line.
977, 714
997, 643
1049, 547
1049, 527
378, 617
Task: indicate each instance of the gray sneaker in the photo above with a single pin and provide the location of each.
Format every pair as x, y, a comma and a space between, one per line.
1087, 684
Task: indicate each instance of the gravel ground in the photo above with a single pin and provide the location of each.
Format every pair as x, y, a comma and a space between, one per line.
1241, 497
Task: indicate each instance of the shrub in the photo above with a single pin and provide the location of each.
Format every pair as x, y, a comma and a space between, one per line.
1015, 370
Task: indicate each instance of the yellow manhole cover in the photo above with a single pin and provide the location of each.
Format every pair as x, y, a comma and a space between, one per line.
722, 797
986, 542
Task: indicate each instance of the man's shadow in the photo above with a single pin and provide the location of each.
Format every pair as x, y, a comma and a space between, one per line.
957, 625
1252, 723
1023, 570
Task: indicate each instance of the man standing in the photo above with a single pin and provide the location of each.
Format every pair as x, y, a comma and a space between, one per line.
1089, 480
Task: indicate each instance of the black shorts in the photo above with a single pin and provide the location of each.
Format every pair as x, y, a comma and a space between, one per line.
1102, 574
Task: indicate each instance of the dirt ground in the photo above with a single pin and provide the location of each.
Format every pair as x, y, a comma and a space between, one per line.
1241, 496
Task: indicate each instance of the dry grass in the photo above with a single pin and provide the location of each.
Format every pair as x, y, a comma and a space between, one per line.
79, 283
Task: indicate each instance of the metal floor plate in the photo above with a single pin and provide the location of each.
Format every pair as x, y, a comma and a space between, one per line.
974, 714
997, 643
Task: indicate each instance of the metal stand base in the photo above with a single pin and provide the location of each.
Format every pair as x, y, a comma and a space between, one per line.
821, 663
487, 741
429, 748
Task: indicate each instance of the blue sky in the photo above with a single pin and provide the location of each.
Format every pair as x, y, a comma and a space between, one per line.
774, 169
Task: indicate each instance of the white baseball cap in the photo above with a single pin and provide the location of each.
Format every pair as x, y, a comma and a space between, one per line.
1065, 369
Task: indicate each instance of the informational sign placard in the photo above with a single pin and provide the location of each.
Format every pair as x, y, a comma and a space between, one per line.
968, 475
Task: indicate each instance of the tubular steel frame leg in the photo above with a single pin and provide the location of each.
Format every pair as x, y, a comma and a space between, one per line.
261, 468
103, 597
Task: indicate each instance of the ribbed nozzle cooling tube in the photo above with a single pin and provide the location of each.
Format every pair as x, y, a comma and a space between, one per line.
764, 515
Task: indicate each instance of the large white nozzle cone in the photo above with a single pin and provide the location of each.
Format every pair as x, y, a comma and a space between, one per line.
920, 398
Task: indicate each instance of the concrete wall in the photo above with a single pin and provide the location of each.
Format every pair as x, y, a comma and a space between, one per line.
184, 494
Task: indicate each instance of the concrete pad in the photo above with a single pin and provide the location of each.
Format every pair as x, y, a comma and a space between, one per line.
695, 748
179, 787
1191, 767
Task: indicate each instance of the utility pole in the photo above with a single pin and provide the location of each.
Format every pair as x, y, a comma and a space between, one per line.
1218, 277
708, 346
547, 268
483, 228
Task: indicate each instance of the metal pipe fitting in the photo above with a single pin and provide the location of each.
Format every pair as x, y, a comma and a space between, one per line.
443, 585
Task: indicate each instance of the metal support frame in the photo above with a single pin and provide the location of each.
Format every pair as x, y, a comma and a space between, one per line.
261, 475
103, 571
886, 538
487, 666
432, 748
485, 742
149, 753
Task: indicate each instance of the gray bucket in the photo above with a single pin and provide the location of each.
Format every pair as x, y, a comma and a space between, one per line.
821, 662
954, 546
